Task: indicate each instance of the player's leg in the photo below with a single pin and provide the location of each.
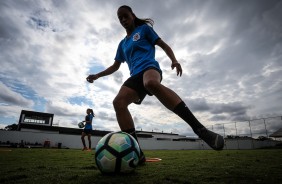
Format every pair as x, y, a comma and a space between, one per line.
83, 141
125, 97
172, 101
166, 96
89, 141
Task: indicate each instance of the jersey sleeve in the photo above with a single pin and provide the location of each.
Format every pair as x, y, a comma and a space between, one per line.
151, 35
119, 54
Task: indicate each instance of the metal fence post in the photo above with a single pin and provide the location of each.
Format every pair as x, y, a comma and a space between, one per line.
265, 128
237, 135
224, 134
251, 134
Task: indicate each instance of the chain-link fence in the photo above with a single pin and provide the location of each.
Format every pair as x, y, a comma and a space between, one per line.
256, 128
251, 134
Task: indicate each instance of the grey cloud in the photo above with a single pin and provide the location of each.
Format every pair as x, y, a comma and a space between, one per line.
150, 100
7, 30
118, 77
104, 116
218, 118
232, 108
220, 111
12, 98
239, 79
60, 111
198, 105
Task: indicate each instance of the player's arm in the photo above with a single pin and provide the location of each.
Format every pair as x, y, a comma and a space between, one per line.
106, 72
171, 56
87, 121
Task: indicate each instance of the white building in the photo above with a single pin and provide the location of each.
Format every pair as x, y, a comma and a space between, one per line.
35, 130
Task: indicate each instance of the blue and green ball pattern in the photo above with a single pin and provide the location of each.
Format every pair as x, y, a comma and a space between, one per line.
117, 153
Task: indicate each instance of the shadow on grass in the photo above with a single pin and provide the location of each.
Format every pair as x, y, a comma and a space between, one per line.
13, 178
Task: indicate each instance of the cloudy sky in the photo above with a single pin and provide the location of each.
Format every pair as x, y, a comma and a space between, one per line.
230, 51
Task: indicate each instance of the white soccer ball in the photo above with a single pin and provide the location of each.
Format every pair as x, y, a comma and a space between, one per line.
81, 125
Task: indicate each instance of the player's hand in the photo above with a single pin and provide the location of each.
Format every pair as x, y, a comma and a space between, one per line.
91, 78
178, 68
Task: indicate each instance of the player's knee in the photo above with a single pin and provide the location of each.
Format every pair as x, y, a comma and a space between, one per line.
116, 101
151, 86
119, 103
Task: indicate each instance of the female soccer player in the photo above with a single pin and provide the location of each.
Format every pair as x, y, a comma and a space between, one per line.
87, 129
137, 49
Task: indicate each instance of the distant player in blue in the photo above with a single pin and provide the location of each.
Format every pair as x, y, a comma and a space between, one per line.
137, 49
87, 129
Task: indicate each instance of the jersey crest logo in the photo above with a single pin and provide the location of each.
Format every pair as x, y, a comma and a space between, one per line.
136, 37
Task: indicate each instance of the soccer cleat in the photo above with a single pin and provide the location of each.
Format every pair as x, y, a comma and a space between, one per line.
84, 149
142, 159
214, 140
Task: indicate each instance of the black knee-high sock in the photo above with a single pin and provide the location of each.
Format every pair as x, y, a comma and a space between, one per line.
133, 133
183, 111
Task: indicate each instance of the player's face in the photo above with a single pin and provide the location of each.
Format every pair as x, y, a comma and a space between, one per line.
126, 18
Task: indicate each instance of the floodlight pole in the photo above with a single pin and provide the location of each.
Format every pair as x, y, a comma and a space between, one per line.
251, 133
224, 135
265, 128
223, 130
237, 135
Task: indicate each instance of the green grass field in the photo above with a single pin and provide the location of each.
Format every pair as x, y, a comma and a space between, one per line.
41, 166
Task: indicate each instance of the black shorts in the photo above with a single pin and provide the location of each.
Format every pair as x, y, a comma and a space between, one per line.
87, 131
135, 82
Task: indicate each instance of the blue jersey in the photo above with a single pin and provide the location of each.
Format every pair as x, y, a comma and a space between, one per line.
89, 117
138, 50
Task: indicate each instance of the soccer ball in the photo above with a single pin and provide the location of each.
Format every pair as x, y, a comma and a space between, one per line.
117, 152
81, 125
